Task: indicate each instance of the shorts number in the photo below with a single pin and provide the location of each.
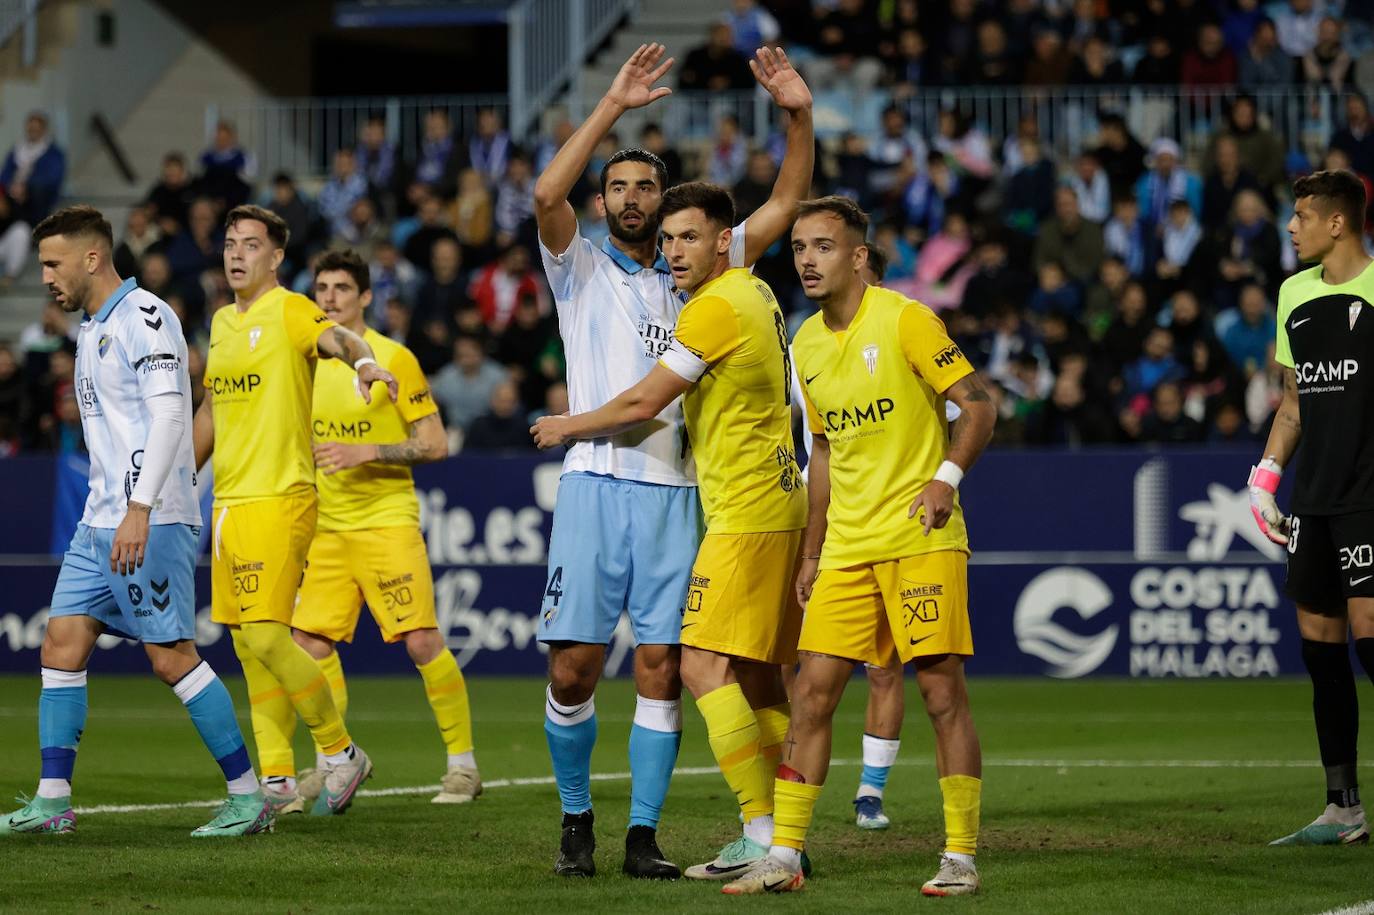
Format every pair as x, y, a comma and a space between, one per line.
554, 591
786, 357
1293, 535
693, 601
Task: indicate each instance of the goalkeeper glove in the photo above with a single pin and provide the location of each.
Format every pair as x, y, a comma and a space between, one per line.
1264, 482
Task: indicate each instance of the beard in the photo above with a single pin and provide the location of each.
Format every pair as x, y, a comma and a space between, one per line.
643, 232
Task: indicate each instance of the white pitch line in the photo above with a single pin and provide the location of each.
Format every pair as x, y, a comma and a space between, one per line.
1359, 908
690, 771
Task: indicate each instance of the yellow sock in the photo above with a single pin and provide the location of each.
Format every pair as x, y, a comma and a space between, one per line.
773, 722
794, 803
733, 731
332, 667
963, 797
447, 692
305, 683
274, 720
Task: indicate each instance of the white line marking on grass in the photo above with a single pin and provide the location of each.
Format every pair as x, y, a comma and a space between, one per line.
690, 771
1359, 908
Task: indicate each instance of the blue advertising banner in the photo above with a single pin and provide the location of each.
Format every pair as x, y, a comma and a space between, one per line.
1116, 562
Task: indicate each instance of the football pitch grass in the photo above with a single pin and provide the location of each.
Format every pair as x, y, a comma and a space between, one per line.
1099, 796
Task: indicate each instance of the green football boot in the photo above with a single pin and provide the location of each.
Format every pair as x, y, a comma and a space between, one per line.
41, 814
240, 815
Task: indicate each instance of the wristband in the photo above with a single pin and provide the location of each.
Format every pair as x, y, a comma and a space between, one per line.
950, 473
1266, 475
365, 360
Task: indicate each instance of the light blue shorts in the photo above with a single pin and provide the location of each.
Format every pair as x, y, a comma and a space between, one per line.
156, 604
619, 546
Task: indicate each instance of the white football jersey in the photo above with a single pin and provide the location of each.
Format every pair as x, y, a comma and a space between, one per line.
617, 318
131, 350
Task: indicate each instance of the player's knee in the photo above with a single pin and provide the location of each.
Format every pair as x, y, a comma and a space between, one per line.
423, 645
883, 678
703, 671
169, 666
945, 702
266, 641
317, 646
572, 678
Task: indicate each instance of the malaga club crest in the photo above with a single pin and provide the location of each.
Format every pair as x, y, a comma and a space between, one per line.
103, 346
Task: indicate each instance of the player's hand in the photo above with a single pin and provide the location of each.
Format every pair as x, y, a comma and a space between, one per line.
372, 372
130, 541
331, 457
776, 74
550, 432
1264, 483
806, 579
933, 506
633, 86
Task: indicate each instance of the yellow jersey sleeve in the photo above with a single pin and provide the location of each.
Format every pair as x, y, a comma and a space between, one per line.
707, 331
414, 401
304, 323
928, 349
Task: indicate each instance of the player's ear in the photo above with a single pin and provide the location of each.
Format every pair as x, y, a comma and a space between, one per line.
365, 300
278, 256
860, 258
601, 206
723, 241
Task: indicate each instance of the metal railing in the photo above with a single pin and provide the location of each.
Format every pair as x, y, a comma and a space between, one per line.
549, 41
17, 15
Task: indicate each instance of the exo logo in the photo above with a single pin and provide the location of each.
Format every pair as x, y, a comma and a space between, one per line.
1357, 557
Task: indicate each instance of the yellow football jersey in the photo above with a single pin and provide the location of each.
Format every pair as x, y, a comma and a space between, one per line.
370, 495
875, 391
259, 370
732, 341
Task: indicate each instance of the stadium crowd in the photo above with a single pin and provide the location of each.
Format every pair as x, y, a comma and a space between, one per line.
1124, 295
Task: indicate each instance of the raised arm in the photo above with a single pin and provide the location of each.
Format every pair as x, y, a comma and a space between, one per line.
633, 88
626, 410
768, 223
339, 342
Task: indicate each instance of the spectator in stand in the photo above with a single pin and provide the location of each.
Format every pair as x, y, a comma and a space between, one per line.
896, 255
753, 190
1263, 63
1260, 150
473, 215
996, 279
393, 277
1247, 331
1229, 426
49, 377
1125, 236
444, 292
965, 146
530, 349
957, 40
555, 402
1070, 240
376, 158
1327, 64
716, 66
1121, 155
441, 157
1069, 417
1166, 181
1055, 293
854, 170
505, 426
1187, 323
514, 212
1023, 20
1094, 191
652, 139
847, 48
33, 171
1239, 24
1096, 66
1099, 303
227, 169
1124, 340
463, 388
171, 197
1088, 20
729, 153
1166, 423
929, 195
63, 427
1209, 62
302, 223
1356, 138
1225, 180
1159, 66
14, 401
896, 152
430, 228
1250, 252
346, 186
1155, 366
1029, 196
363, 230
1297, 23
942, 265
490, 149
1050, 60
141, 235
498, 286
198, 249
992, 63
155, 275
908, 67
751, 26
15, 242
396, 322
1177, 265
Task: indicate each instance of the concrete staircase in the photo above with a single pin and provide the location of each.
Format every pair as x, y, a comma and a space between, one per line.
677, 25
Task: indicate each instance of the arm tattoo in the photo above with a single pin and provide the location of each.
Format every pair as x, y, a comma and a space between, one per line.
411, 451
971, 389
344, 345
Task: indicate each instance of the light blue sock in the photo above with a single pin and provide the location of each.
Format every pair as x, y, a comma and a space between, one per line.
875, 777
654, 741
879, 755
571, 731
212, 712
61, 719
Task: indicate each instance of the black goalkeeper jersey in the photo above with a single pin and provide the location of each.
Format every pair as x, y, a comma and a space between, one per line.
1326, 335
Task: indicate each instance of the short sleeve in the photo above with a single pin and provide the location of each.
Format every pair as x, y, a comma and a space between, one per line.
707, 331
414, 400
1283, 352
929, 350
152, 342
304, 323
569, 271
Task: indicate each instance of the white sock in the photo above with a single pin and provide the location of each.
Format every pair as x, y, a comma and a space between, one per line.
966, 860
760, 829
54, 788
320, 760
339, 758
247, 783
465, 760
787, 855
869, 791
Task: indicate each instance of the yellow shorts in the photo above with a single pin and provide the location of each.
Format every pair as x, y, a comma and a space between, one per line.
388, 567
741, 601
258, 552
904, 608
